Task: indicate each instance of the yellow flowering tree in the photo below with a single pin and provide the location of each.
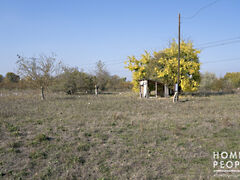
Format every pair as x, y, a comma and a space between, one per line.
163, 66
138, 68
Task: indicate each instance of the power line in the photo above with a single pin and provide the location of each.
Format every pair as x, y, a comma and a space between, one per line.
208, 62
219, 41
203, 47
220, 44
122, 60
210, 44
223, 60
201, 9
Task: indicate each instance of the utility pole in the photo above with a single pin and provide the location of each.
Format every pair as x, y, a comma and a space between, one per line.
176, 95
178, 55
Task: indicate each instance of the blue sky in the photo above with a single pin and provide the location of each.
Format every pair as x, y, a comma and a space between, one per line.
82, 32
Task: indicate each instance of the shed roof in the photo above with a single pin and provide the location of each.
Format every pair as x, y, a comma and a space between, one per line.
151, 80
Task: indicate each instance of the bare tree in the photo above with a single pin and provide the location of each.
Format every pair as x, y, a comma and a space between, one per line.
102, 75
39, 71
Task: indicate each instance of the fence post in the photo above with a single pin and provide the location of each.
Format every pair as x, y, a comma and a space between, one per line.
42, 92
96, 90
140, 90
166, 91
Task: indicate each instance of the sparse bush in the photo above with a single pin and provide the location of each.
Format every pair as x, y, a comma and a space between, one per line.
207, 81
73, 80
233, 79
1, 78
116, 83
11, 81
12, 77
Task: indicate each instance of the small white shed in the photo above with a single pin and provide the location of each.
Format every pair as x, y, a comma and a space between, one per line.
146, 86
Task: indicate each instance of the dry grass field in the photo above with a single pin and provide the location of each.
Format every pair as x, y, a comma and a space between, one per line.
114, 136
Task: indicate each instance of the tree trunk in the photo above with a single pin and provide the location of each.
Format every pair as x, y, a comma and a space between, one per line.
43, 96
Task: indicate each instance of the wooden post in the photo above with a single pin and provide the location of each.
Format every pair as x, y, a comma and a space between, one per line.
177, 95
42, 89
140, 90
156, 91
96, 90
166, 91
146, 89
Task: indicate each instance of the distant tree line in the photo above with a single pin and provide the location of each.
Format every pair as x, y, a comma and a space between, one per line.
73, 80
10, 80
46, 72
210, 82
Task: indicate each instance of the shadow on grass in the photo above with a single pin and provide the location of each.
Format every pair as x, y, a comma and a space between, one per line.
77, 95
70, 97
207, 94
183, 100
